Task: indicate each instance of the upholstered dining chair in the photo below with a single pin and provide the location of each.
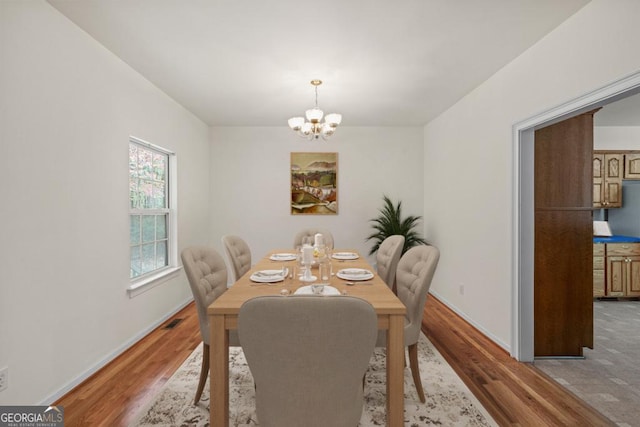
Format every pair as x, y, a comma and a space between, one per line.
387, 258
239, 255
207, 275
308, 371
311, 232
413, 280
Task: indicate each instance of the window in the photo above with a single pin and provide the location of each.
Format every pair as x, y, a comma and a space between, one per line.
149, 209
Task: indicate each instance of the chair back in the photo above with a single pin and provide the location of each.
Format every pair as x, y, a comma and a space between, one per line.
413, 280
311, 232
207, 275
387, 258
308, 356
239, 255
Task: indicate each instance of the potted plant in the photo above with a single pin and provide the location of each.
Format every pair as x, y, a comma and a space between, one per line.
390, 222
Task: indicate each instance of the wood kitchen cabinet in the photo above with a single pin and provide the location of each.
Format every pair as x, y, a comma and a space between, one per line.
632, 166
622, 269
598, 269
607, 179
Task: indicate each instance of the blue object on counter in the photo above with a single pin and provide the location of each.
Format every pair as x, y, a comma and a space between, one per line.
616, 239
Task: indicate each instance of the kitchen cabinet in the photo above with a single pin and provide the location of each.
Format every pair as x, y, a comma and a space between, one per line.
632, 166
622, 269
607, 179
598, 269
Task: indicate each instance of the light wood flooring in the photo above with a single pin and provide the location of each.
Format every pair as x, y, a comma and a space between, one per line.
515, 394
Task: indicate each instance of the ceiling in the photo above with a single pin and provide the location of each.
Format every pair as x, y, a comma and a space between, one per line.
383, 63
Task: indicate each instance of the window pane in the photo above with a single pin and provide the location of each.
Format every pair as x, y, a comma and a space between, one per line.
133, 193
145, 163
158, 195
159, 167
148, 258
134, 229
136, 266
161, 254
145, 189
161, 227
148, 228
133, 161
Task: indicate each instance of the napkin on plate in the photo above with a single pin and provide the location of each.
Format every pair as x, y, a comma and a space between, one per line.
355, 271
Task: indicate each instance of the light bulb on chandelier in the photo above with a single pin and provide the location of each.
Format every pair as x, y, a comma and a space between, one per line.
314, 127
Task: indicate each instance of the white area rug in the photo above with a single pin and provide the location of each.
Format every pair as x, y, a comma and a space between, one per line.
449, 401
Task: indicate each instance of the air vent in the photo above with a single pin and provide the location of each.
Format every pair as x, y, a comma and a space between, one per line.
172, 324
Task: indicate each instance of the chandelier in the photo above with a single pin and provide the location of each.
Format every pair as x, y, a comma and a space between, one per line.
314, 127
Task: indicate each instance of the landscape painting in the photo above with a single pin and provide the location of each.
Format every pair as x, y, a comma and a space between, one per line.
314, 183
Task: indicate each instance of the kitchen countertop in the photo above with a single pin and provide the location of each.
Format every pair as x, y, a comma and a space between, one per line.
616, 239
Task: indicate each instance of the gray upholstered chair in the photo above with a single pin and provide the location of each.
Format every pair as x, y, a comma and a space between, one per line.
311, 232
239, 255
207, 274
387, 258
413, 279
308, 355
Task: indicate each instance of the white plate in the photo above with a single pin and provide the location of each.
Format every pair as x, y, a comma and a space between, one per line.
306, 290
354, 274
268, 276
283, 257
345, 255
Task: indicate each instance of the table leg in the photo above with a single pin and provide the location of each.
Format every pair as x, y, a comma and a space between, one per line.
395, 371
219, 366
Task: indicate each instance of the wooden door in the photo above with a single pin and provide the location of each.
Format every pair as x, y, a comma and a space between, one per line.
633, 278
598, 180
632, 166
598, 270
563, 260
616, 275
613, 181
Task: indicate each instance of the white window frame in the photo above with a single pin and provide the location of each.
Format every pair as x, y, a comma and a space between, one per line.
152, 279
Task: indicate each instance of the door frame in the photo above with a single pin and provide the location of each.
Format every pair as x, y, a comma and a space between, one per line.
522, 261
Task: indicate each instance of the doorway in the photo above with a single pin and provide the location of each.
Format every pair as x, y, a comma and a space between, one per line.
523, 204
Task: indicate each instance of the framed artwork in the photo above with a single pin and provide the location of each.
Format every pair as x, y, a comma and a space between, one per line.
314, 183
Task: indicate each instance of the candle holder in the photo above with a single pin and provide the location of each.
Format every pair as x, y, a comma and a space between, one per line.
307, 261
307, 276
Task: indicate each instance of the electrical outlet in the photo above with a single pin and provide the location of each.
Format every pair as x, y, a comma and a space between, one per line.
461, 289
4, 378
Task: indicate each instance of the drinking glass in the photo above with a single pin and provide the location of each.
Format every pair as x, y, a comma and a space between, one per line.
299, 262
293, 271
325, 270
328, 251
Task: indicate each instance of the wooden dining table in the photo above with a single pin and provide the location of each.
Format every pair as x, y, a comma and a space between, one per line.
223, 317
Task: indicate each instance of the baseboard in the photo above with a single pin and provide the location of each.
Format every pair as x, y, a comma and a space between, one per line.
480, 329
111, 356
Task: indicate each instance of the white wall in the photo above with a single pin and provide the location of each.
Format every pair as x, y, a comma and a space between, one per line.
469, 154
67, 108
616, 138
250, 189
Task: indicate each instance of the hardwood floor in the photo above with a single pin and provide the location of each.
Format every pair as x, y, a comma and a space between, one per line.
113, 395
515, 394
